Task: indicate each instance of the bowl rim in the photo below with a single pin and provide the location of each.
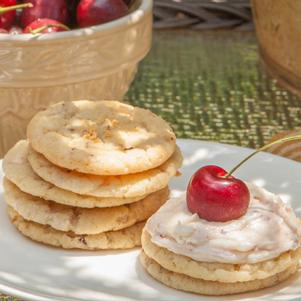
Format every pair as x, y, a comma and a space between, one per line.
129, 19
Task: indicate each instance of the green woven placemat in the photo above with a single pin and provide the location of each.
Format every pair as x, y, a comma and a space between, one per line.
209, 86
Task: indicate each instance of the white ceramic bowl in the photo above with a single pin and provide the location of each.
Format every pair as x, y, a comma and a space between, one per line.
95, 63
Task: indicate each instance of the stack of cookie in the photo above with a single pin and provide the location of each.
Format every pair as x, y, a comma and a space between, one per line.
257, 250
90, 174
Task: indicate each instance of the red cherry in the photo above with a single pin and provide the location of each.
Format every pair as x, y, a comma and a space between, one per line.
7, 19
45, 26
49, 9
95, 12
8, 12
2, 30
216, 198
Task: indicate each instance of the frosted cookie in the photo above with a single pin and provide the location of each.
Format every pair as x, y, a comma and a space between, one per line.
81, 220
102, 138
125, 186
122, 239
259, 249
18, 170
222, 272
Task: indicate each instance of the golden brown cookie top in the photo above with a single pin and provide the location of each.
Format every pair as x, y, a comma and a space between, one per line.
101, 137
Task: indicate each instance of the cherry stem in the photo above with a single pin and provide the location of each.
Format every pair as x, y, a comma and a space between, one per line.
42, 28
291, 138
5, 9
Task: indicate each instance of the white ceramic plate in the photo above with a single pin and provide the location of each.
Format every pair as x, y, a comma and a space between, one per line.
32, 271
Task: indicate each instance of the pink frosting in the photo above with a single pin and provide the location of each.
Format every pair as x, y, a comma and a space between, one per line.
269, 228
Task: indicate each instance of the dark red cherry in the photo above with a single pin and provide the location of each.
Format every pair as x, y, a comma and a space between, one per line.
215, 197
8, 12
95, 12
49, 9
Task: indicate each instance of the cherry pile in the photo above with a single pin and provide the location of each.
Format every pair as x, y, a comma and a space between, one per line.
45, 16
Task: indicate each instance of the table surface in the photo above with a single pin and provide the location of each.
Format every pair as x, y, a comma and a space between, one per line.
210, 86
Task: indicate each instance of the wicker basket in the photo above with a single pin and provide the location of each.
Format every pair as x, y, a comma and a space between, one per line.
203, 14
